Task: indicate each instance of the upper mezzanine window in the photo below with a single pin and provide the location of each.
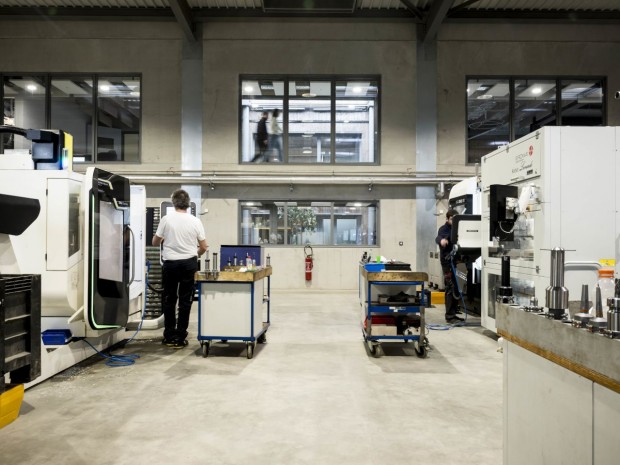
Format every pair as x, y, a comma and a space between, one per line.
501, 110
319, 120
101, 111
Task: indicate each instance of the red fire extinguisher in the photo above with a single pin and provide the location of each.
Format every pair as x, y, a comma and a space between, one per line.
309, 263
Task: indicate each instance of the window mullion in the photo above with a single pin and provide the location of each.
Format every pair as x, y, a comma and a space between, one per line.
333, 123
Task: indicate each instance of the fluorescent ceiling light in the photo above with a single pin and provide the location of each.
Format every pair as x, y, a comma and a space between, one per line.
306, 151
307, 135
484, 97
248, 88
308, 94
31, 87
499, 90
537, 89
69, 87
104, 88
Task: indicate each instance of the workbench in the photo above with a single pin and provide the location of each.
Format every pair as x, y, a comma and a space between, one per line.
234, 305
561, 391
393, 304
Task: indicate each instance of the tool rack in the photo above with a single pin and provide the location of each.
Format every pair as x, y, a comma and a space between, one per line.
233, 306
376, 288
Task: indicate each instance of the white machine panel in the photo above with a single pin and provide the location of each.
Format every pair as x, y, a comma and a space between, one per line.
137, 223
571, 173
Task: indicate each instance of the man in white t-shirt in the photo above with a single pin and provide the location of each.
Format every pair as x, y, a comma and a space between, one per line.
184, 241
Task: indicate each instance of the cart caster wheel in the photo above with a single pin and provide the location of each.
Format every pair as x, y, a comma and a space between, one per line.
250, 349
262, 338
205, 349
422, 352
376, 350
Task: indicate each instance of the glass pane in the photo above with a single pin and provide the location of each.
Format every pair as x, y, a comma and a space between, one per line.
119, 112
24, 107
260, 98
72, 111
487, 116
535, 105
309, 139
356, 121
303, 223
262, 223
582, 102
355, 223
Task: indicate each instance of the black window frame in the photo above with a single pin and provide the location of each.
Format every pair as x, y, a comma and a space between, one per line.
511, 117
95, 107
332, 78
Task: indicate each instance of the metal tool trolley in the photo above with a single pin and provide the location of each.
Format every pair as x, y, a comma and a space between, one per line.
393, 304
233, 306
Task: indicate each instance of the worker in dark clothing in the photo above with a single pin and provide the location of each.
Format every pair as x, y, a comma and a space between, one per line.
262, 138
444, 242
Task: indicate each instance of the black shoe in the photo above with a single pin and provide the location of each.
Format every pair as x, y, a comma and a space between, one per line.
179, 344
454, 319
168, 342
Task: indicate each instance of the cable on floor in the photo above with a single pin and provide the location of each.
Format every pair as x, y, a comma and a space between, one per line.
115, 361
125, 360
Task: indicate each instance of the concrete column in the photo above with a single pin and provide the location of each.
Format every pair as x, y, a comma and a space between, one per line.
426, 149
191, 115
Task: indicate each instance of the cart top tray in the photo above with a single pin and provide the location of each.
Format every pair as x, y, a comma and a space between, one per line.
234, 275
391, 276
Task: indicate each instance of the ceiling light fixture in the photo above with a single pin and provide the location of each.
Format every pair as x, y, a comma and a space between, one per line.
31, 87
308, 95
248, 88
536, 90
104, 88
357, 89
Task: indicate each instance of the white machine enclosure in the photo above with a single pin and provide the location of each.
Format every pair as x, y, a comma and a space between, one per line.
137, 268
52, 245
55, 247
567, 197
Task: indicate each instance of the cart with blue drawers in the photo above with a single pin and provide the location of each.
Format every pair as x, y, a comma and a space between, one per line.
393, 304
234, 306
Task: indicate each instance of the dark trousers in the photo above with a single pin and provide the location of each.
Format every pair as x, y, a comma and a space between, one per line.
452, 294
178, 281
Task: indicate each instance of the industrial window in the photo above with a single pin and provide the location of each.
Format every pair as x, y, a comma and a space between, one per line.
320, 120
306, 222
500, 110
101, 111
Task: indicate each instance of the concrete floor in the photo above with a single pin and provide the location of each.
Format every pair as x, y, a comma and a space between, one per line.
312, 395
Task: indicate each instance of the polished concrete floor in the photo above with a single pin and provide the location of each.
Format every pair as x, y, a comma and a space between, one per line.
312, 394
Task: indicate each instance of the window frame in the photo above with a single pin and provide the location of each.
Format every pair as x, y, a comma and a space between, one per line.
511, 84
49, 77
332, 78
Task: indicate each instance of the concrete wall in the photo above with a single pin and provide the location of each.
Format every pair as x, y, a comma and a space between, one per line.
516, 50
308, 47
316, 47
150, 48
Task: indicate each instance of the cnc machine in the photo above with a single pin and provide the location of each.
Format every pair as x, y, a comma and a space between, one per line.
79, 241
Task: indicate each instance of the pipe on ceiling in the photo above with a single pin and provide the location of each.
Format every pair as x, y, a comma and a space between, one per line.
256, 179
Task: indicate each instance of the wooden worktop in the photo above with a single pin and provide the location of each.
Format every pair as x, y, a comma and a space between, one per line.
397, 275
232, 274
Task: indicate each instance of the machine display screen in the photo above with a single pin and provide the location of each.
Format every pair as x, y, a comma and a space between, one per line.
110, 242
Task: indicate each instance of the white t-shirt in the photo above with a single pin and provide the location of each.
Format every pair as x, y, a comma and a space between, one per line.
181, 233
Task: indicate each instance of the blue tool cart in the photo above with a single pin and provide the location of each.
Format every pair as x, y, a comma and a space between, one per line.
234, 306
393, 304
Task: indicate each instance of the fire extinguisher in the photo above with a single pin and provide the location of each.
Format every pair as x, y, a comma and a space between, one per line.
309, 263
